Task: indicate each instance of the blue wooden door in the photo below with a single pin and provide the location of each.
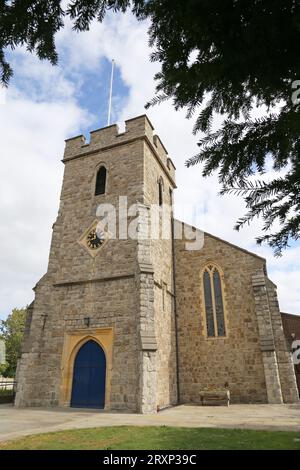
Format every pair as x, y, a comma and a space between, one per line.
88, 390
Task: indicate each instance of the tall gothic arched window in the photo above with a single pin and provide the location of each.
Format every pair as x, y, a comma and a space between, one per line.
214, 302
100, 181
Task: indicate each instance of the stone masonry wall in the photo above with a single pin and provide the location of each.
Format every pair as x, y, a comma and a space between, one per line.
286, 370
78, 285
129, 286
279, 371
208, 363
147, 371
162, 262
115, 288
266, 337
108, 304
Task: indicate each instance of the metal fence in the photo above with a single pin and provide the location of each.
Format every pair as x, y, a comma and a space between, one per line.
7, 391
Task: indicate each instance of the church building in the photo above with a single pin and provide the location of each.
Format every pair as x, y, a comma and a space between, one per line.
140, 323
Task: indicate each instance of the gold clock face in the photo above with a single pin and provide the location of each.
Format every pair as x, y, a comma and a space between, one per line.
95, 239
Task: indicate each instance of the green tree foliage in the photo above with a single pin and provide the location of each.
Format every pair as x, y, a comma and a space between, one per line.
244, 55
11, 330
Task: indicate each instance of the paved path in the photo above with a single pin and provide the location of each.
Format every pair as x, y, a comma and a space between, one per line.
16, 422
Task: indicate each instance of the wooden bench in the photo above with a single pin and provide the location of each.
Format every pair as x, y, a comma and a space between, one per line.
214, 397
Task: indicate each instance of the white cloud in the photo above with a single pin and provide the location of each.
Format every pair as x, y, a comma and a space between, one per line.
37, 119
32, 142
2, 95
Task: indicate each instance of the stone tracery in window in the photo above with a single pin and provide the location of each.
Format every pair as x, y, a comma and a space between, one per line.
213, 302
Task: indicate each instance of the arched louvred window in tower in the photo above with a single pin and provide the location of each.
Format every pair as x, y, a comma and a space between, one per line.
214, 302
160, 192
100, 181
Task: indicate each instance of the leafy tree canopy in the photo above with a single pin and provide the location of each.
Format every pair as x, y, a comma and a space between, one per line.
11, 330
244, 55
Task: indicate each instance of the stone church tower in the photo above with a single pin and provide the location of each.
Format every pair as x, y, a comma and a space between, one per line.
140, 323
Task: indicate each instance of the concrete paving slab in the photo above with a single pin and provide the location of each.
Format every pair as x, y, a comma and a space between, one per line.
18, 422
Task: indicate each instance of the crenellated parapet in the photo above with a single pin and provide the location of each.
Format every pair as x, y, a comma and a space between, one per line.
106, 137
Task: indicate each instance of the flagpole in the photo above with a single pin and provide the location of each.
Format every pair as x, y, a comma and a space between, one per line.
110, 91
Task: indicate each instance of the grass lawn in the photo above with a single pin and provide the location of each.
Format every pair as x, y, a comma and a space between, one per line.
157, 438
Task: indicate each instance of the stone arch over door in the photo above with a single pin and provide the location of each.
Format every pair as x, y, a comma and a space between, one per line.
73, 341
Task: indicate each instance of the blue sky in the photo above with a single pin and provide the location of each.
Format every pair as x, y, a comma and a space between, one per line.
93, 94
45, 105
91, 89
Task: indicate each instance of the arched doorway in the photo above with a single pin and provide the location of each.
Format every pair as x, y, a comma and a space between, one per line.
88, 388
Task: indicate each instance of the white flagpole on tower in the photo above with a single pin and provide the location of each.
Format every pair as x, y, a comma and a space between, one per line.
110, 91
